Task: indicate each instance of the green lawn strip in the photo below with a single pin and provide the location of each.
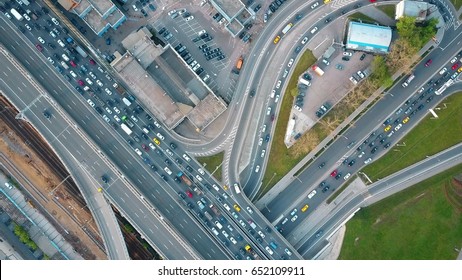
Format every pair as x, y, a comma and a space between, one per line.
213, 164
388, 9
427, 138
361, 17
457, 4
417, 223
280, 161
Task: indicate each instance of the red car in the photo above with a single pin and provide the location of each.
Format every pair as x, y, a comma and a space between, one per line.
272, 117
39, 47
428, 63
80, 82
334, 173
190, 195
92, 62
73, 63
146, 148
455, 66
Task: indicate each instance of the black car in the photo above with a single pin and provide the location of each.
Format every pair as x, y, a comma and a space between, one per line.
337, 176
137, 139
420, 107
162, 30
216, 16
104, 179
99, 110
374, 150
322, 184
145, 136
326, 188
181, 194
153, 167
346, 58
173, 146
322, 165
363, 56
387, 145
327, 20
298, 49
197, 39
430, 98
189, 168
46, 114
351, 163
166, 179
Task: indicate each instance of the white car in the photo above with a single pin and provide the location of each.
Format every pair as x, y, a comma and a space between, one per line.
304, 40
116, 110
106, 118
233, 240
314, 5
268, 111
294, 218
89, 81
160, 136
263, 153
99, 83
311, 194
26, 17
398, 127
284, 75
347, 176
41, 40
325, 61
28, 27
293, 212
454, 60
249, 210
8, 15
73, 74
257, 168
51, 60
52, 34
261, 234
109, 111
242, 223
367, 160
361, 74
268, 249
93, 76
108, 91
61, 43
291, 61
182, 11
199, 178
92, 104
263, 128
288, 252
227, 207
135, 120
189, 18
314, 30
152, 146
138, 152
278, 85
421, 90
297, 108
135, 8
276, 99
353, 80
201, 171
201, 32
188, 159
444, 70
260, 141
361, 154
117, 118
347, 54
65, 57
55, 21
171, 12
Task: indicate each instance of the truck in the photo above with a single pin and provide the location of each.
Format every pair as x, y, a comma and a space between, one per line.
17, 15
287, 28
317, 70
252, 252
126, 129
80, 51
197, 190
239, 63
184, 178
215, 209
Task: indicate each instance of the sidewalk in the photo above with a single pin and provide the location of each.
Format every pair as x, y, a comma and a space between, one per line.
286, 180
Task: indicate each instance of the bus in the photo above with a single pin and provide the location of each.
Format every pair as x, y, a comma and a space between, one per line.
16, 14
126, 129
287, 28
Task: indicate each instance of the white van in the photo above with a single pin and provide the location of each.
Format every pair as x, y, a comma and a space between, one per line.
126, 101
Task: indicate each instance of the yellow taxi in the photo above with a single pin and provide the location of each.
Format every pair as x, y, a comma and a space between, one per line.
276, 40
387, 128
304, 208
460, 69
156, 141
406, 120
238, 209
225, 187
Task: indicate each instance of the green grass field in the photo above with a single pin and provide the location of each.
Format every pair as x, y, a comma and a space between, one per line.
388, 9
457, 3
427, 138
362, 17
423, 222
279, 157
213, 164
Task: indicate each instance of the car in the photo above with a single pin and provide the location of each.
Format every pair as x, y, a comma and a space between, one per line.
314, 5
263, 153
89, 81
138, 152
351, 163
455, 66
361, 74
304, 40
39, 47
257, 168
293, 212
363, 56
156, 141
429, 99
347, 176
334, 173
338, 175
55, 21
387, 128
41, 40
345, 58
268, 249
405, 120
278, 84
314, 30
261, 234
291, 61
238, 209
442, 71
374, 150
294, 218
428, 63
80, 82
189, 18
347, 54
398, 127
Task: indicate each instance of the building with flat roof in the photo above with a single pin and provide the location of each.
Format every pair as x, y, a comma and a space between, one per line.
99, 15
368, 37
416, 9
235, 13
167, 86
